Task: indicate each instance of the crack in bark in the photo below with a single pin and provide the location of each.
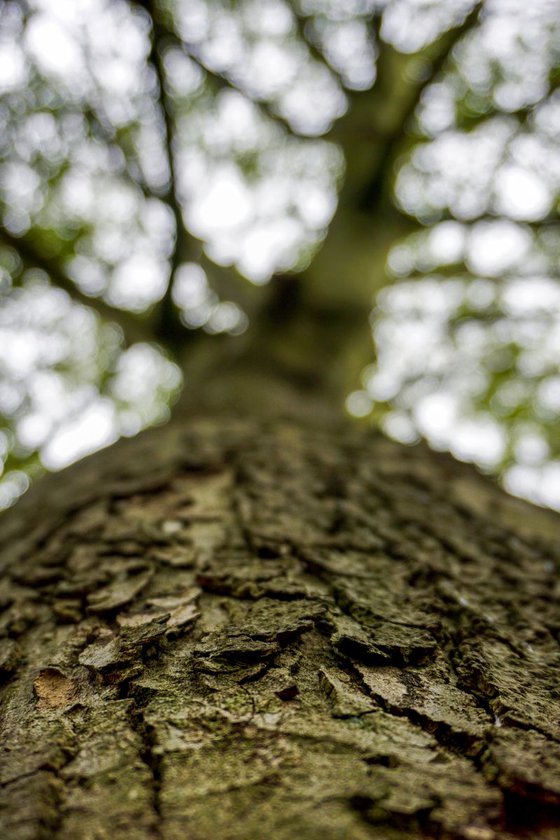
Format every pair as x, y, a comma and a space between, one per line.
149, 755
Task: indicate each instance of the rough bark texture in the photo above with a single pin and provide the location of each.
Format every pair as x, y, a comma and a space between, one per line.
256, 630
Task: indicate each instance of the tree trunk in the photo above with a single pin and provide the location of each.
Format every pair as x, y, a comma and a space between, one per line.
249, 627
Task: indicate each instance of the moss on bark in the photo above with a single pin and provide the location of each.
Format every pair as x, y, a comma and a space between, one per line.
244, 629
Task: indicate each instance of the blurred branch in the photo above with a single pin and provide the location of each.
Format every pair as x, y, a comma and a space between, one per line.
442, 50
132, 326
169, 327
226, 82
459, 272
221, 81
106, 133
535, 225
522, 114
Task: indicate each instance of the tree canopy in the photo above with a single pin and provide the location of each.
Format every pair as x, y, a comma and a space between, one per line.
174, 171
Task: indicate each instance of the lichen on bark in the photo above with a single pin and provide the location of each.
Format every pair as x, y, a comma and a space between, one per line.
249, 629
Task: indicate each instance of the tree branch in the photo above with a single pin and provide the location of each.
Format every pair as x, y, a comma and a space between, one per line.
169, 327
133, 328
101, 132
221, 81
227, 82
443, 47
459, 272
550, 221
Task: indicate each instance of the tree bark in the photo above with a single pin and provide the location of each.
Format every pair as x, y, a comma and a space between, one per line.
247, 626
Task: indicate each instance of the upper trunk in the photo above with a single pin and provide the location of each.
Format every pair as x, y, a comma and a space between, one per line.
248, 627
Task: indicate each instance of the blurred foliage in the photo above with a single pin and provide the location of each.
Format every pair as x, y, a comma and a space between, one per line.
161, 162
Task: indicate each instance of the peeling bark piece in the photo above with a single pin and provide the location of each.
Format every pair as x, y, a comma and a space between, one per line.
131, 638
346, 699
243, 577
102, 655
386, 597
429, 693
138, 619
405, 645
171, 602
269, 619
118, 593
177, 618
340, 563
352, 640
119, 650
182, 615
383, 644
178, 611
217, 651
